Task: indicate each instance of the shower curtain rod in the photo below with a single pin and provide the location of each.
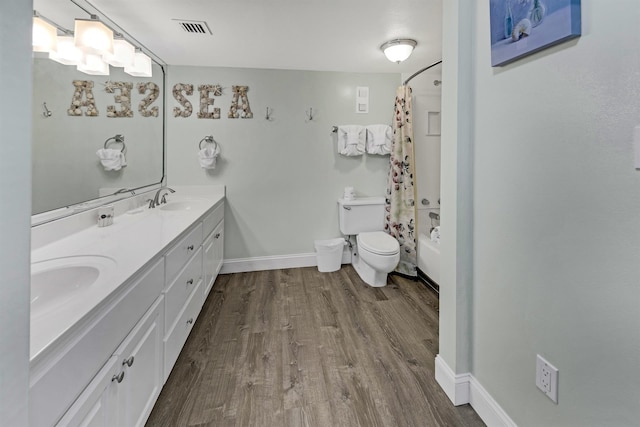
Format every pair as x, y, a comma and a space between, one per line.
421, 71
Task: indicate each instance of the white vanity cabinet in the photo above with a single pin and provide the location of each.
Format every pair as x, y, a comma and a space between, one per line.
213, 246
125, 389
108, 369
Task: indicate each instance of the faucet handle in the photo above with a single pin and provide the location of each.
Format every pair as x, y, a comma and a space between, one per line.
151, 203
164, 199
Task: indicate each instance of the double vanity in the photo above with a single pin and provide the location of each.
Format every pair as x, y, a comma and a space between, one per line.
111, 307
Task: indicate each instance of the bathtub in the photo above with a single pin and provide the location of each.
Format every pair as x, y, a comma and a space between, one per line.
429, 257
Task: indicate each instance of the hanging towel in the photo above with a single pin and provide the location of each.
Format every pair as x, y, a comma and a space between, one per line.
351, 140
379, 139
112, 160
435, 234
208, 156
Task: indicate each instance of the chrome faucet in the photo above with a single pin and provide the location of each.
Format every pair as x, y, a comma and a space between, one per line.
157, 200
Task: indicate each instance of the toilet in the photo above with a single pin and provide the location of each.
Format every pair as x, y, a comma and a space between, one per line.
376, 253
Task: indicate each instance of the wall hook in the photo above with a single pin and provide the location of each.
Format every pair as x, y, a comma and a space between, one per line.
268, 115
46, 113
309, 114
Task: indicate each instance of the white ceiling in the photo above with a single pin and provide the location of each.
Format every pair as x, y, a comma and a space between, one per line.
323, 35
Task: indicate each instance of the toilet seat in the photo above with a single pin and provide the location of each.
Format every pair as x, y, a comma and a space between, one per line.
378, 242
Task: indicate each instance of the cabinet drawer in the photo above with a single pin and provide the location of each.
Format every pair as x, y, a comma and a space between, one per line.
180, 289
178, 335
211, 220
178, 255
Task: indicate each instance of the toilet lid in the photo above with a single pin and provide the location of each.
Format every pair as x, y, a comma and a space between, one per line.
378, 242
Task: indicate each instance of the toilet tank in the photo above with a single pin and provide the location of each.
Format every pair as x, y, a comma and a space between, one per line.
360, 215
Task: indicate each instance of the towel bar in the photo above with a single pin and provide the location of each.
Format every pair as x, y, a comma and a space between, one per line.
116, 139
209, 140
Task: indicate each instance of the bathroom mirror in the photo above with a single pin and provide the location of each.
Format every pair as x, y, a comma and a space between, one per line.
67, 174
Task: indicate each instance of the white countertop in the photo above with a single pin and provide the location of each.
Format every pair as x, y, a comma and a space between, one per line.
132, 242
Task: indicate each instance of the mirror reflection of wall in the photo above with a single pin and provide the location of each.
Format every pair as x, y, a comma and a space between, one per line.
66, 167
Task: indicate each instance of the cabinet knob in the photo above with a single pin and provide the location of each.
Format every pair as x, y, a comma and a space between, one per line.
190, 247
190, 321
118, 378
128, 362
217, 235
190, 282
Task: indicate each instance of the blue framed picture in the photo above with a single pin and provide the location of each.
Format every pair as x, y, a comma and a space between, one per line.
522, 27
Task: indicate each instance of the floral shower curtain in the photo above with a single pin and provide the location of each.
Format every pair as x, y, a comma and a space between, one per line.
400, 217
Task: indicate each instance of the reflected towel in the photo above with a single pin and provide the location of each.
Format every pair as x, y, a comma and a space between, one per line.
379, 139
435, 234
112, 160
208, 156
351, 140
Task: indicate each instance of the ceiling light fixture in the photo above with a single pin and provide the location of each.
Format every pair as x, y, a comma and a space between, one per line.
94, 65
123, 54
398, 50
141, 65
66, 53
44, 35
93, 37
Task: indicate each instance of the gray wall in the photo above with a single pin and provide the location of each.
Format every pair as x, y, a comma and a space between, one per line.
557, 222
15, 210
283, 176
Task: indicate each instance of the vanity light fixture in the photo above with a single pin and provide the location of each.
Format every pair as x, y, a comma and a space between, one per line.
94, 65
93, 37
44, 35
141, 65
123, 54
66, 53
398, 50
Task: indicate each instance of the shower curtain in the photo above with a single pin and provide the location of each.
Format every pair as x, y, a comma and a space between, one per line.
400, 217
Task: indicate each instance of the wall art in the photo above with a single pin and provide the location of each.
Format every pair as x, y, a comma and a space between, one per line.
240, 94
83, 98
206, 91
123, 97
154, 93
178, 88
522, 27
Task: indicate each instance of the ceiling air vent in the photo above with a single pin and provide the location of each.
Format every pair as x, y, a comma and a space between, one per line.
194, 27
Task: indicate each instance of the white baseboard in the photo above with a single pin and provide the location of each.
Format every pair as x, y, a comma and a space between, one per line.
243, 265
465, 388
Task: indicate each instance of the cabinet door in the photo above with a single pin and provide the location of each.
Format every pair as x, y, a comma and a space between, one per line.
141, 356
96, 405
213, 248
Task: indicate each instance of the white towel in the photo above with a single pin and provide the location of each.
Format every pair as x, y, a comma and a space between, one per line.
208, 156
351, 140
379, 139
112, 160
435, 234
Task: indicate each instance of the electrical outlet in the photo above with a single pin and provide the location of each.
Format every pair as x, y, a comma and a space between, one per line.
547, 378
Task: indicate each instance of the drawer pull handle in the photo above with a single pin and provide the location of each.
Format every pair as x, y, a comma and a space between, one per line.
128, 361
118, 378
190, 282
217, 235
190, 247
190, 321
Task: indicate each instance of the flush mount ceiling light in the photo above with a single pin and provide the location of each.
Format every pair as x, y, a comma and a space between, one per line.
93, 37
141, 66
44, 35
398, 50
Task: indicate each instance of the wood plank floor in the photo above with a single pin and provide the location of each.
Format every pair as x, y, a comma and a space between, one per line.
297, 347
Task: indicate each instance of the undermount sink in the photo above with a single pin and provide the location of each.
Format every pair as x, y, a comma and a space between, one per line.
60, 281
181, 205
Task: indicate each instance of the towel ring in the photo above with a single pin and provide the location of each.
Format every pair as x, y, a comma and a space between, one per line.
116, 139
209, 140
